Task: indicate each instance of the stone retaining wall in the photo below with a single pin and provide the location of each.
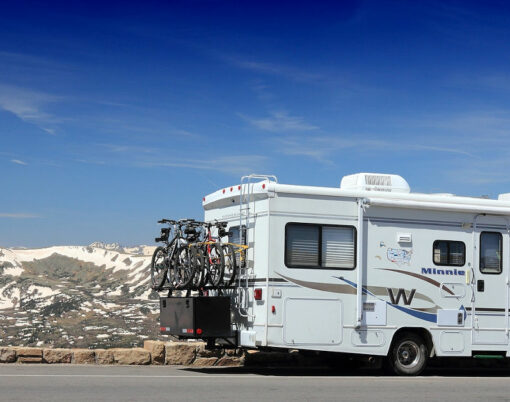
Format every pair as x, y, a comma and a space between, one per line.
153, 352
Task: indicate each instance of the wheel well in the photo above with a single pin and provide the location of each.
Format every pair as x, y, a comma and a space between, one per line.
424, 333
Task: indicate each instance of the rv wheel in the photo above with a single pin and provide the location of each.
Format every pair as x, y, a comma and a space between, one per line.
408, 355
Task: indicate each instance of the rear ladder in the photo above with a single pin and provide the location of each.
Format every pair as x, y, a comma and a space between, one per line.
246, 270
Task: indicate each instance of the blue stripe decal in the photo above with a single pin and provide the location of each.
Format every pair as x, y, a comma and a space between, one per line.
422, 315
364, 290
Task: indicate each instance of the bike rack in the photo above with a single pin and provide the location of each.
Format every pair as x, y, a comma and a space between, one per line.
246, 197
240, 291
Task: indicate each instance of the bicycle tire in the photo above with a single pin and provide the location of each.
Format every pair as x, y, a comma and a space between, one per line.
159, 268
230, 269
183, 269
215, 262
198, 260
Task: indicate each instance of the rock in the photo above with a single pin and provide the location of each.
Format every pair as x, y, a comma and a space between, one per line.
84, 356
53, 356
23, 351
205, 361
203, 352
7, 355
30, 359
180, 353
157, 351
230, 361
104, 356
234, 352
133, 356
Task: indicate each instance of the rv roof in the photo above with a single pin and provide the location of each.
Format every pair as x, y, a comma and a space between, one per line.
260, 190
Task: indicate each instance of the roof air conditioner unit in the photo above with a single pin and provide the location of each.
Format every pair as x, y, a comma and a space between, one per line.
375, 182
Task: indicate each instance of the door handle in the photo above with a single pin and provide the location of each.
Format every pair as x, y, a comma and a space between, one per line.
480, 285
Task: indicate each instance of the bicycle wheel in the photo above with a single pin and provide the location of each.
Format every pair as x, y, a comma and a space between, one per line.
159, 268
198, 261
230, 270
215, 262
182, 268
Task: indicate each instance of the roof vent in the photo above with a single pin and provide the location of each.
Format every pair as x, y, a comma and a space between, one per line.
375, 182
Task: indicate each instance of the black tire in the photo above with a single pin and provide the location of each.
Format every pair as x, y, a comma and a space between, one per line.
198, 261
182, 268
159, 268
215, 263
230, 269
408, 354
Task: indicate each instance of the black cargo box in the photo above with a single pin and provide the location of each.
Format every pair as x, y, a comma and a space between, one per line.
196, 317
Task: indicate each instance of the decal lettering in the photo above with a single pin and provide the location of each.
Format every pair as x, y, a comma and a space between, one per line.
407, 298
434, 271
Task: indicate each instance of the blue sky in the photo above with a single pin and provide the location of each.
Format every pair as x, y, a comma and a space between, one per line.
114, 116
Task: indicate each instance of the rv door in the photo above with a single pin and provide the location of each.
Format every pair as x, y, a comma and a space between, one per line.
490, 315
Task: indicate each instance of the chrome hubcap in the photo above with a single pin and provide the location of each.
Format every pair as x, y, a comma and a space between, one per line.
409, 354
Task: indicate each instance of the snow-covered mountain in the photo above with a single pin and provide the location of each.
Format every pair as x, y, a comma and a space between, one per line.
139, 250
96, 295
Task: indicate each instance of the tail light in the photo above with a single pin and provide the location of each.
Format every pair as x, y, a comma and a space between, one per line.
257, 294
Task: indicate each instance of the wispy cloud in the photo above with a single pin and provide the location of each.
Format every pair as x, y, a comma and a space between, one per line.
149, 157
322, 148
18, 215
233, 165
91, 161
29, 106
475, 130
481, 172
51, 131
280, 70
122, 148
185, 134
474, 123
18, 162
346, 82
280, 122
24, 61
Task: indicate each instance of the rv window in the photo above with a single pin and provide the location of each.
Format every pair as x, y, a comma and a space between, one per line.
337, 247
235, 238
491, 252
320, 246
449, 253
302, 245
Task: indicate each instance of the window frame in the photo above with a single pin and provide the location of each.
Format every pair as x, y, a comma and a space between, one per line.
242, 230
321, 225
448, 264
480, 253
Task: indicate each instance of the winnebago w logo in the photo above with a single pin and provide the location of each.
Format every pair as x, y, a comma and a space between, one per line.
401, 294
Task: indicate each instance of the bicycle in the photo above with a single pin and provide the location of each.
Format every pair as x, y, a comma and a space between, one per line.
160, 261
194, 258
233, 257
214, 259
172, 263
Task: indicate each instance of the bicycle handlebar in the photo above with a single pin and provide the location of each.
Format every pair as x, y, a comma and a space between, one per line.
193, 222
170, 221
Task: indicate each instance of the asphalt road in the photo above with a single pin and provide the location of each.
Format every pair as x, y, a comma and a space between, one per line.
114, 383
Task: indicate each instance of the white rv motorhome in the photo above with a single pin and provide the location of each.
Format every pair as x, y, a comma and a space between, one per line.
369, 268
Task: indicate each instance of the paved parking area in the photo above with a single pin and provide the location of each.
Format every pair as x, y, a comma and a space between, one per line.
136, 383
